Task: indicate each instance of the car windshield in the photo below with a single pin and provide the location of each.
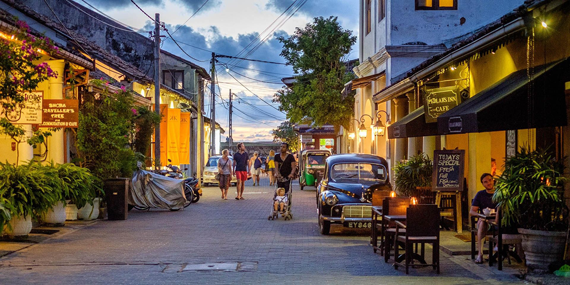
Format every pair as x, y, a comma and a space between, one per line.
213, 161
316, 159
358, 172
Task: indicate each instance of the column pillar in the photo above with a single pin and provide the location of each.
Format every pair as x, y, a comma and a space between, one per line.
412, 142
56, 146
400, 150
429, 145
479, 160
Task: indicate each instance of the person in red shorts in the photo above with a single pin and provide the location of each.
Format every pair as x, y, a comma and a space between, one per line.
242, 166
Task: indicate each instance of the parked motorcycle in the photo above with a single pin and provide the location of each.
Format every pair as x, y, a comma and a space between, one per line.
191, 185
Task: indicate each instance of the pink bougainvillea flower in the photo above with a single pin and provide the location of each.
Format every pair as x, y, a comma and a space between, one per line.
134, 111
123, 88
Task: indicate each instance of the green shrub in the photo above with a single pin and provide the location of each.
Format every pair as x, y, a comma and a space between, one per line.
79, 185
530, 191
416, 172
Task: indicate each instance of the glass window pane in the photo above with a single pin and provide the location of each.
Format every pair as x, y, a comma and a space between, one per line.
179, 80
446, 3
426, 3
167, 78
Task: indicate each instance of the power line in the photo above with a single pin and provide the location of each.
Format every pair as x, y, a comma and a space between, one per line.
182, 48
196, 12
259, 70
68, 32
256, 60
107, 17
262, 81
259, 110
257, 37
254, 93
153, 20
194, 46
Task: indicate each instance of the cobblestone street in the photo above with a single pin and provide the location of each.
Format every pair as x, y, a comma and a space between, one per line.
161, 247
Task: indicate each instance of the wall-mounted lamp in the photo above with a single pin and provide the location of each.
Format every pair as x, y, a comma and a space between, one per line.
544, 25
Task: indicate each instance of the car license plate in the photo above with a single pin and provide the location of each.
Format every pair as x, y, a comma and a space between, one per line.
358, 225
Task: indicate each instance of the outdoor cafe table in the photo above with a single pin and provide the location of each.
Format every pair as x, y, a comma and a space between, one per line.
376, 213
490, 217
402, 221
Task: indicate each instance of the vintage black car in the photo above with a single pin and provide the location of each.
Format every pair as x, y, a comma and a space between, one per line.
344, 195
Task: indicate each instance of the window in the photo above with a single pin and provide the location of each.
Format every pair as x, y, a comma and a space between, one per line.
368, 16
173, 79
436, 4
381, 10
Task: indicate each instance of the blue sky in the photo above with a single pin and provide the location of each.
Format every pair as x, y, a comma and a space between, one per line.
235, 27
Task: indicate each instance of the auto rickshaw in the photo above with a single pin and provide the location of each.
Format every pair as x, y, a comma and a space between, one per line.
312, 166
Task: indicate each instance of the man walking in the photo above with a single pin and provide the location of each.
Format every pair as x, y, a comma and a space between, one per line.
242, 166
285, 165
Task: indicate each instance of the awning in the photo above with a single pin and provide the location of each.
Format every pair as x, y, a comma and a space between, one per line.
412, 125
507, 104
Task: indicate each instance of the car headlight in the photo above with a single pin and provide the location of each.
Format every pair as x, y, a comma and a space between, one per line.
331, 200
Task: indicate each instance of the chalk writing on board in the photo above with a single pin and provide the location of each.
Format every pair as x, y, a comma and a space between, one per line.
448, 170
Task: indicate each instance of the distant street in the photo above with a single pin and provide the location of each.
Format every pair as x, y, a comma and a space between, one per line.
163, 247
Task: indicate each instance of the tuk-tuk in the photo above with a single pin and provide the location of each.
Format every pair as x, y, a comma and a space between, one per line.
312, 167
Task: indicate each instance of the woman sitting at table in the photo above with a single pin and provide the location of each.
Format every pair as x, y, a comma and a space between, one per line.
483, 200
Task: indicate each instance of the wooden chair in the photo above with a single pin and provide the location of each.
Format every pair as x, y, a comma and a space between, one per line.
391, 206
447, 208
422, 226
377, 200
503, 238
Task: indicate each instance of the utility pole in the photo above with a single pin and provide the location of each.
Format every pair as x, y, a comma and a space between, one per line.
230, 140
213, 106
157, 87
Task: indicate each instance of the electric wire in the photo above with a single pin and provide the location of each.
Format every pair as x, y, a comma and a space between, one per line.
133, 1
258, 35
254, 93
262, 81
196, 12
182, 48
68, 32
125, 27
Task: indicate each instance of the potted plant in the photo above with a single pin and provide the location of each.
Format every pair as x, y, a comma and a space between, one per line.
413, 177
29, 191
529, 193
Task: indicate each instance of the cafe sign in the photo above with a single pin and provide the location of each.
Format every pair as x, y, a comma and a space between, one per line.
28, 112
60, 113
439, 101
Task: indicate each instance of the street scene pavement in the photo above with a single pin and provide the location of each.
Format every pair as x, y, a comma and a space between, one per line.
219, 241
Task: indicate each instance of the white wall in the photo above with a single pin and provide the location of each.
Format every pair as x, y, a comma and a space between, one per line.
436, 26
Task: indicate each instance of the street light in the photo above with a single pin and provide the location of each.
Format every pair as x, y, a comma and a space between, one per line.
379, 129
362, 131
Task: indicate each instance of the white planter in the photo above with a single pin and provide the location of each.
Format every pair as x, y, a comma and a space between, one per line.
89, 212
56, 215
21, 227
71, 212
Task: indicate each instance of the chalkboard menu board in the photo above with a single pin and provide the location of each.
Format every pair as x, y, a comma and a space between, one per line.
448, 166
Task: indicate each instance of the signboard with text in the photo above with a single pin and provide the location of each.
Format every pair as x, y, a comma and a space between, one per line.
29, 112
60, 113
448, 166
439, 101
511, 143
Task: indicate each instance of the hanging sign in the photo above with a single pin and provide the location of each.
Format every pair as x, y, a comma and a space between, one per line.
306, 138
448, 166
184, 149
60, 113
439, 101
511, 143
28, 112
173, 135
163, 134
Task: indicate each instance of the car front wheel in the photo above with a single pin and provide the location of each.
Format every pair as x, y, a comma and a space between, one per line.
324, 226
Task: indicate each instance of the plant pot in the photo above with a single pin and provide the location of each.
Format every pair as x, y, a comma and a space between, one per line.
71, 212
56, 215
21, 227
542, 248
89, 212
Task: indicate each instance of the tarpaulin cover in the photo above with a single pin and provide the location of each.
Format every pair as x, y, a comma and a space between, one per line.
153, 190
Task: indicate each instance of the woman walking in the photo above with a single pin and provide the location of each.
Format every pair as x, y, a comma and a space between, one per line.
225, 169
256, 162
271, 167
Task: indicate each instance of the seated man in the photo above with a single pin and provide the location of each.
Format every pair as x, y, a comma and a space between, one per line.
483, 200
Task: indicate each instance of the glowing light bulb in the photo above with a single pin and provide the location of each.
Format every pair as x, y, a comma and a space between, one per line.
544, 25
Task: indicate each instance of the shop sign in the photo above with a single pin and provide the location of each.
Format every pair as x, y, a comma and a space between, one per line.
326, 144
511, 143
448, 166
439, 101
60, 113
306, 138
455, 124
396, 130
29, 112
